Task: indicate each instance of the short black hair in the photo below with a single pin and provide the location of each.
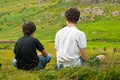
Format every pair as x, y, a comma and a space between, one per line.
28, 28
72, 15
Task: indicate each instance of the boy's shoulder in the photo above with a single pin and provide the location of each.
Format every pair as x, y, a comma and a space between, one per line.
35, 40
19, 39
79, 31
62, 29
27, 39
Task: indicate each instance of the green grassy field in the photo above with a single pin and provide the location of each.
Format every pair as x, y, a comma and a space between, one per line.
108, 70
103, 35
49, 19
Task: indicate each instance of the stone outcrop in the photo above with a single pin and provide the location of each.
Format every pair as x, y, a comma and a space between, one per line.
115, 13
41, 1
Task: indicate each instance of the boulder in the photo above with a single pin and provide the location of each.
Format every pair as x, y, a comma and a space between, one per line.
115, 13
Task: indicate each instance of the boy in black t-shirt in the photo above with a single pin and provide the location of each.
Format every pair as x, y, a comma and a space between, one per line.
26, 57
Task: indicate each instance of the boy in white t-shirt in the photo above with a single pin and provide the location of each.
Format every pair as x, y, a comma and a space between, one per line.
70, 42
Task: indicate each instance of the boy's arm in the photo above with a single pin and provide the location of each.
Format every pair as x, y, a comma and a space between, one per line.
41, 48
14, 55
44, 53
15, 50
83, 54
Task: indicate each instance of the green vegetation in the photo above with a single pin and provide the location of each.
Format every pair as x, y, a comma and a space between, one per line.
102, 32
108, 70
49, 18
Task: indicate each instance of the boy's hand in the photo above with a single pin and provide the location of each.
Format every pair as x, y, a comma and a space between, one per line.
101, 57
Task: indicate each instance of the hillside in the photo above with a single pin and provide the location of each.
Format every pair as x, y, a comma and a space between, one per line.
97, 21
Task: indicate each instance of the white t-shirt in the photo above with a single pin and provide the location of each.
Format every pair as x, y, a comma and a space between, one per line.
68, 41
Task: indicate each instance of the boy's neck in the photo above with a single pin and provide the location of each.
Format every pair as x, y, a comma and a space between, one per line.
32, 35
29, 35
71, 24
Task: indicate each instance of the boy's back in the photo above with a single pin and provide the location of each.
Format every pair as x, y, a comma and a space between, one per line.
25, 50
67, 43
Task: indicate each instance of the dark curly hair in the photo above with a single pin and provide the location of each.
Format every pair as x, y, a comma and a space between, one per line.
28, 28
72, 15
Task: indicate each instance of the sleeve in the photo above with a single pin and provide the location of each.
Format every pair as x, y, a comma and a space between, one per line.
81, 40
15, 48
39, 45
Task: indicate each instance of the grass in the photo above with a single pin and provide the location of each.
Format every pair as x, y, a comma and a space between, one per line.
105, 71
102, 35
49, 19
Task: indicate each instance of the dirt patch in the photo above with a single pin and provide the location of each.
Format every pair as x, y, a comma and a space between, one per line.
7, 42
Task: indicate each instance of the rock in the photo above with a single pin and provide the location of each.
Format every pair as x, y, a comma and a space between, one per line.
94, 11
116, 50
92, 19
67, 0
98, 11
62, 14
115, 13
41, 1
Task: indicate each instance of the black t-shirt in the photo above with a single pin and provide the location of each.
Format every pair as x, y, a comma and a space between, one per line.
25, 51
